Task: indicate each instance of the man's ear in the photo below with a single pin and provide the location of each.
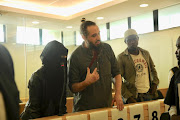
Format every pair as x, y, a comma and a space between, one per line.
83, 37
125, 41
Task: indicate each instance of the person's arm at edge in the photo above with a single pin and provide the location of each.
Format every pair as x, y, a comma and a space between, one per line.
118, 97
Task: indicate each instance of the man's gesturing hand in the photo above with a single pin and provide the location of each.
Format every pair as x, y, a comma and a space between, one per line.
91, 77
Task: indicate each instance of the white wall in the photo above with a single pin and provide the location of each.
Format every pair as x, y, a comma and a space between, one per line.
161, 45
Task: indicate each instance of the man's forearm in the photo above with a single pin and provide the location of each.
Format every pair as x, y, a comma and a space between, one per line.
90, 79
117, 97
118, 84
78, 87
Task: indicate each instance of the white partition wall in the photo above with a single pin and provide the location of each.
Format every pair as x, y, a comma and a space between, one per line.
136, 112
77, 117
99, 115
154, 110
119, 115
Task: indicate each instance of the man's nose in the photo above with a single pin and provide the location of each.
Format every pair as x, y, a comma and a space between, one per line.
132, 41
98, 37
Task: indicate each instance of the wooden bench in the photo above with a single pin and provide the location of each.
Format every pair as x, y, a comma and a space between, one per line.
24, 99
21, 107
69, 102
145, 108
163, 91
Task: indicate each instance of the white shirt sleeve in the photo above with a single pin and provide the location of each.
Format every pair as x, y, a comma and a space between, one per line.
172, 111
2, 108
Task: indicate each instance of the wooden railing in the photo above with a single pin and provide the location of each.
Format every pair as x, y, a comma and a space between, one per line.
88, 112
69, 105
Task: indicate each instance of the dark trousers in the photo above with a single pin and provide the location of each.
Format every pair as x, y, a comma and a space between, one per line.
144, 97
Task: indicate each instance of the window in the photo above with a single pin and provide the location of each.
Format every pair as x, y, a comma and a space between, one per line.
79, 39
169, 17
49, 35
143, 23
117, 28
27, 35
2, 37
103, 32
68, 38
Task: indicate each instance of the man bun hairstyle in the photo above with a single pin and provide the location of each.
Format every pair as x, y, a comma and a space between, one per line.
83, 19
83, 27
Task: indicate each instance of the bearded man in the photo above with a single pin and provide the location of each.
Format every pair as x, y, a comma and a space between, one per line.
92, 66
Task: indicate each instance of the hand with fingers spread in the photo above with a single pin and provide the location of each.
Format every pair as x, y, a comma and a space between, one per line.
119, 102
91, 77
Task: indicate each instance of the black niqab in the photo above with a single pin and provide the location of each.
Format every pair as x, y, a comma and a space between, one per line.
55, 69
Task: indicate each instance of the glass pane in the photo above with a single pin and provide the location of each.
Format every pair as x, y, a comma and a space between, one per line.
103, 32
1, 33
169, 17
17, 51
49, 35
68, 38
143, 23
27, 35
117, 28
79, 39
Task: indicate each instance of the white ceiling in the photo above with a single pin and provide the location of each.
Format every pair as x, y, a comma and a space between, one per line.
112, 12
59, 9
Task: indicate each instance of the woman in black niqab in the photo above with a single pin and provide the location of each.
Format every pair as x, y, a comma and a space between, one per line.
47, 86
8, 86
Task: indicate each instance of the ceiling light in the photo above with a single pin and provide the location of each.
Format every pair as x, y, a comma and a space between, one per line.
143, 5
100, 18
69, 27
35, 22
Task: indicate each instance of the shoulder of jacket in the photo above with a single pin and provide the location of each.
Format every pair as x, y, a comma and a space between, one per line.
174, 69
121, 54
77, 50
36, 76
105, 44
143, 50
124, 53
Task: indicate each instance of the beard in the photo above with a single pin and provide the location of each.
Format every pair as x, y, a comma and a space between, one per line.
132, 48
93, 47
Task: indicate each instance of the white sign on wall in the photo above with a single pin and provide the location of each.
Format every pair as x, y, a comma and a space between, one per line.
136, 112
154, 110
99, 115
119, 115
